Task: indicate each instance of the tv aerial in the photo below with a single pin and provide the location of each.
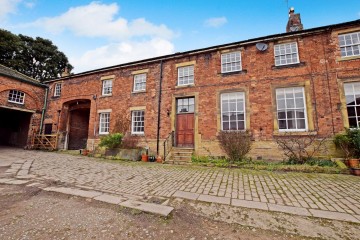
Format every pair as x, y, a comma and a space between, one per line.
261, 46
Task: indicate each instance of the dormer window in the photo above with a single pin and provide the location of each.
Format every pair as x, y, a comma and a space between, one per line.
57, 90
16, 96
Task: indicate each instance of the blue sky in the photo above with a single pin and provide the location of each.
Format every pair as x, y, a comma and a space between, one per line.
96, 34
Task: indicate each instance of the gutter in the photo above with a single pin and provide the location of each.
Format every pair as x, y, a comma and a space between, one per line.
159, 108
44, 110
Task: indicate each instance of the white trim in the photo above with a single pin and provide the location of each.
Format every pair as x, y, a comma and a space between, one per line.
293, 109
56, 92
17, 91
286, 54
100, 123
132, 122
239, 95
107, 87
228, 55
142, 78
190, 69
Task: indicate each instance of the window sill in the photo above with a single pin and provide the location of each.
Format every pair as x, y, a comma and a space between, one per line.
340, 59
185, 86
136, 92
294, 65
15, 102
294, 133
138, 134
104, 96
243, 71
55, 97
103, 134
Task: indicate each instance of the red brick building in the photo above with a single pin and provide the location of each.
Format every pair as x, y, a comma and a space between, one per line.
21, 106
301, 81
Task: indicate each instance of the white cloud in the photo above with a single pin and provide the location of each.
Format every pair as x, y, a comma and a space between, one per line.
7, 7
215, 22
98, 20
122, 52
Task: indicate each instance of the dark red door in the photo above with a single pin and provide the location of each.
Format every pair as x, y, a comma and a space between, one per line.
185, 130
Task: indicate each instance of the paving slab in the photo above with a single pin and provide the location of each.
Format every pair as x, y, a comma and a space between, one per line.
110, 198
334, 215
148, 207
249, 204
73, 191
23, 172
5, 180
288, 209
186, 195
17, 182
214, 199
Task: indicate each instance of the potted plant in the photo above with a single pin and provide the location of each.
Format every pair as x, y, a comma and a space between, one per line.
159, 159
342, 141
144, 155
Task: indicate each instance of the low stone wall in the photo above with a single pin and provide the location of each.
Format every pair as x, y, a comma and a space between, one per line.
126, 154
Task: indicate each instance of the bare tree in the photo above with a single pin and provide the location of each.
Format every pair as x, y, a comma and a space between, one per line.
300, 148
236, 144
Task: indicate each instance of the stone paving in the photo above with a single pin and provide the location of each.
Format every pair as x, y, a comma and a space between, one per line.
318, 195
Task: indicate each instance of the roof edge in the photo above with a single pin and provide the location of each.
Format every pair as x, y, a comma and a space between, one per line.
211, 48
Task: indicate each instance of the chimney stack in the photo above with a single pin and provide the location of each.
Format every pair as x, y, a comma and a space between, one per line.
294, 22
65, 73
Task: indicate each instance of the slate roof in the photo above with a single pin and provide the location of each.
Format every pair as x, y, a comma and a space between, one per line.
5, 71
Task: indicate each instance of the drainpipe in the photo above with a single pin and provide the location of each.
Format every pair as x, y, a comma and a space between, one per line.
44, 109
159, 108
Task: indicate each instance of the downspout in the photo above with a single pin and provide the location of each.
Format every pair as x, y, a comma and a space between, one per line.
44, 110
159, 108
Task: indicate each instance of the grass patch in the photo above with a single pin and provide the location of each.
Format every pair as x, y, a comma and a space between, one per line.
312, 166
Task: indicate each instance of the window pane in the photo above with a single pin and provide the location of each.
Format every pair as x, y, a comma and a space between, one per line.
352, 122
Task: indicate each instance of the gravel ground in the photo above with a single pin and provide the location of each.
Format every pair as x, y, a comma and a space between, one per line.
30, 213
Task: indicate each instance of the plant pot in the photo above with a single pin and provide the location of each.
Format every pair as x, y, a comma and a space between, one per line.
355, 171
144, 158
354, 163
159, 159
85, 152
346, 161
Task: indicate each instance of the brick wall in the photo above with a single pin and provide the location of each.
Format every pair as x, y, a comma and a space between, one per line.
320, 72
33, 104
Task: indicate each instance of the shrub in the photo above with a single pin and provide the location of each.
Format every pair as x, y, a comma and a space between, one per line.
354, 136
236, 144
300, 148
130, 142
111, 141
342, 141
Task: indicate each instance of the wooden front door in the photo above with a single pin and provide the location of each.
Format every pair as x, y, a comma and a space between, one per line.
185, 122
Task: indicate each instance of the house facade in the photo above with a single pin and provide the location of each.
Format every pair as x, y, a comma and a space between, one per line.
21, 107
301, 81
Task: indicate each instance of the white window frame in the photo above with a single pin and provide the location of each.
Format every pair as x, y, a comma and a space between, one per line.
16, 96
231, 62
186, 74
285, 50
349, 43
140, 80
286, 109
134, 121
355, 91
233, 96
107, 87
57, 90
104, 123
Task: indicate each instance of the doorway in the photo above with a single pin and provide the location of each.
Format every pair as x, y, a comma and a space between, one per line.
185, 122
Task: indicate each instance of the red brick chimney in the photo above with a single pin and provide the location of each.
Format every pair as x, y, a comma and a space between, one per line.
294, 22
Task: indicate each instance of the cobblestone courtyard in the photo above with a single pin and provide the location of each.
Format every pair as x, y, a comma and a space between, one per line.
319, 195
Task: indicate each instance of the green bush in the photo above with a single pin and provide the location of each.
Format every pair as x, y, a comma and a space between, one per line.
111, 141
354, 136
